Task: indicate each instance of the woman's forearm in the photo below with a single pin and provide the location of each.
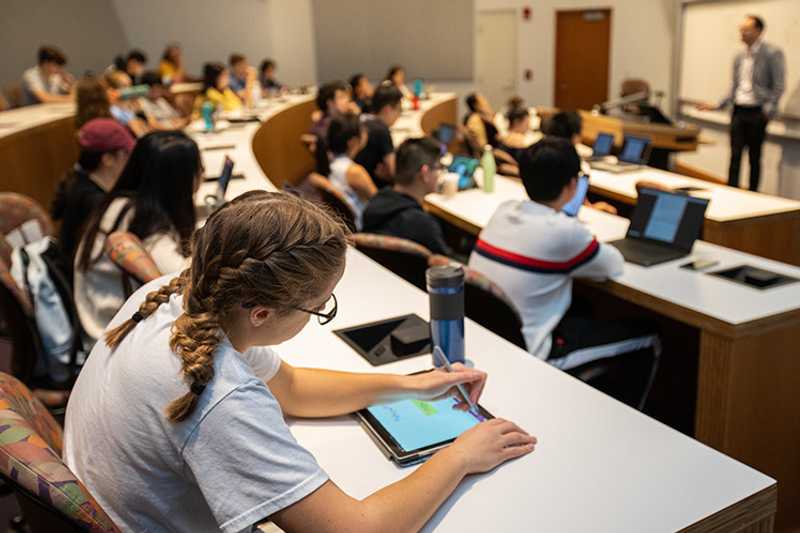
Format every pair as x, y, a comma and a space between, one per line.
316, 393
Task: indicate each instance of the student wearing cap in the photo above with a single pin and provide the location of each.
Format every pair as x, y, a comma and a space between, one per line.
104, 149
48, 81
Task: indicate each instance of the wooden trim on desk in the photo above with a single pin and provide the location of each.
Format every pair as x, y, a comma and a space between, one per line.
452, 219
692, 171
442, 113
277, 146
755, 514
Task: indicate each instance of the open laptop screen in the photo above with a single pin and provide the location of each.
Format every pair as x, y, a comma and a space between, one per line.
633, 150
603, 144
668, 218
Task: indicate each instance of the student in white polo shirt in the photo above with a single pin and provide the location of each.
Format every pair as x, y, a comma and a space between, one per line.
532, 251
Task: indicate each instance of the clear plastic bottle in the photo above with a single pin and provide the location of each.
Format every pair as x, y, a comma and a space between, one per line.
489, 168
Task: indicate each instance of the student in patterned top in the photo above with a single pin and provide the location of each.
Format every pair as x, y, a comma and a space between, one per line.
177, 421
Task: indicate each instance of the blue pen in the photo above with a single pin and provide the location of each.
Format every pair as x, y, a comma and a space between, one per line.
437, 352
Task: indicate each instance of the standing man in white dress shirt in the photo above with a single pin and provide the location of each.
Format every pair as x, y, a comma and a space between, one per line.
758, 84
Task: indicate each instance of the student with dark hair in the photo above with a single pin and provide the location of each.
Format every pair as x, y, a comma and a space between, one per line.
133, 65
333, 100
362, 91
243, 77
153, 199
516, 140
178, 420
217, 90
397, 210
266, 77
568, 125
346, 137
378, 155
48, 81
171, 66
533, 251
105, 146
397, 77
479, 122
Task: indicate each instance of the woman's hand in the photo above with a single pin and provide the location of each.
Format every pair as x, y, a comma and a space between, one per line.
489, 444
433, 384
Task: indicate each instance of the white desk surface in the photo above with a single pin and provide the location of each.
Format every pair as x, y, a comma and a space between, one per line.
240, 138
599, 465
712, 296
23, 118
726, 203
409, 124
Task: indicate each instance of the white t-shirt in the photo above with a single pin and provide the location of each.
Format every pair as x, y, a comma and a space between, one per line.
34, 79
98, 291
338, 177
532, 252
230, 465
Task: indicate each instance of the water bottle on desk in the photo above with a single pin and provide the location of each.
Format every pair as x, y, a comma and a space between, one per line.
207, 111
446, 295
489, 168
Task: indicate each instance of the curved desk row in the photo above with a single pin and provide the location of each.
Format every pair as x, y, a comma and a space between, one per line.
593, 452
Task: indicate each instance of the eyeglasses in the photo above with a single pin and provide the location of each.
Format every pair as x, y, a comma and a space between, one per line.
324, 313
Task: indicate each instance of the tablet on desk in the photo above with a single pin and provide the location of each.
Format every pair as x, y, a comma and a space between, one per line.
410, 431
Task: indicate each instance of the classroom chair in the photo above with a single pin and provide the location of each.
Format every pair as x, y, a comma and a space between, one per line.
49, 494
127, 252
13, 94
405, 258
333, 198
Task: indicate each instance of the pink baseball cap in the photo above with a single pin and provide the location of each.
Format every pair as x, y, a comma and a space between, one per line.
105, 135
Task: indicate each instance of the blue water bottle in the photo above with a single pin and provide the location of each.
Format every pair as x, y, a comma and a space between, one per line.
446, 295
418, 88
208, 115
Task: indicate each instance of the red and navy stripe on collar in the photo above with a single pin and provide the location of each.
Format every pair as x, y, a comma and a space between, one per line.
531, 264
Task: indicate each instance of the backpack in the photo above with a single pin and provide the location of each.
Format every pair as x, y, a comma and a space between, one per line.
37, 268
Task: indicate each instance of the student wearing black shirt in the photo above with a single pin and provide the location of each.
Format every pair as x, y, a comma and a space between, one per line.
362, 91
397, 211
104, 148
378, 155
333, 100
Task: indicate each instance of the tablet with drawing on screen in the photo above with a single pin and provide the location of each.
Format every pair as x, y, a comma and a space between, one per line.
410, 431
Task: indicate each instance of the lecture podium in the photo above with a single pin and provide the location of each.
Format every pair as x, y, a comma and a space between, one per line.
681, 138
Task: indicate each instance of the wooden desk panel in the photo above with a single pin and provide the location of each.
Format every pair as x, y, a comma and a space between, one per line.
278, 148
35, 160
442, 113
747, 387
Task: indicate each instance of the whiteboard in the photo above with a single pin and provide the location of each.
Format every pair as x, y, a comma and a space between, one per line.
711, 40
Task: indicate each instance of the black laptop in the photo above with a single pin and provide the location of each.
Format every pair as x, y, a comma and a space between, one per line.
664, 227
603, 145
634, 155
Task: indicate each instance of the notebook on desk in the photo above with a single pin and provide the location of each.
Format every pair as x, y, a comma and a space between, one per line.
664, 227
634, 155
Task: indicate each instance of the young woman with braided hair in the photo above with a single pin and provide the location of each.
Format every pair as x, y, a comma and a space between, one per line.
177, 421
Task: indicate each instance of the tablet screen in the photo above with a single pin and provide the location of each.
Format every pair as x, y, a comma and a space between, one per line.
419, 424
573, 206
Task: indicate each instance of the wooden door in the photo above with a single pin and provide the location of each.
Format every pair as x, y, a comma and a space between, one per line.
583, 40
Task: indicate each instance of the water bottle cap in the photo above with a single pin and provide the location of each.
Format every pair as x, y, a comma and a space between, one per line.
441, 277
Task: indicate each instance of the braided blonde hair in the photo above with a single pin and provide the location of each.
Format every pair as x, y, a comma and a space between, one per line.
269, 249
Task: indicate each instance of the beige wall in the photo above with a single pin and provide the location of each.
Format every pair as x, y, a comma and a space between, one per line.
642, 35
88, 31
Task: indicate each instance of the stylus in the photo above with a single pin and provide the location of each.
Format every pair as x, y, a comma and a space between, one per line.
437, 352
